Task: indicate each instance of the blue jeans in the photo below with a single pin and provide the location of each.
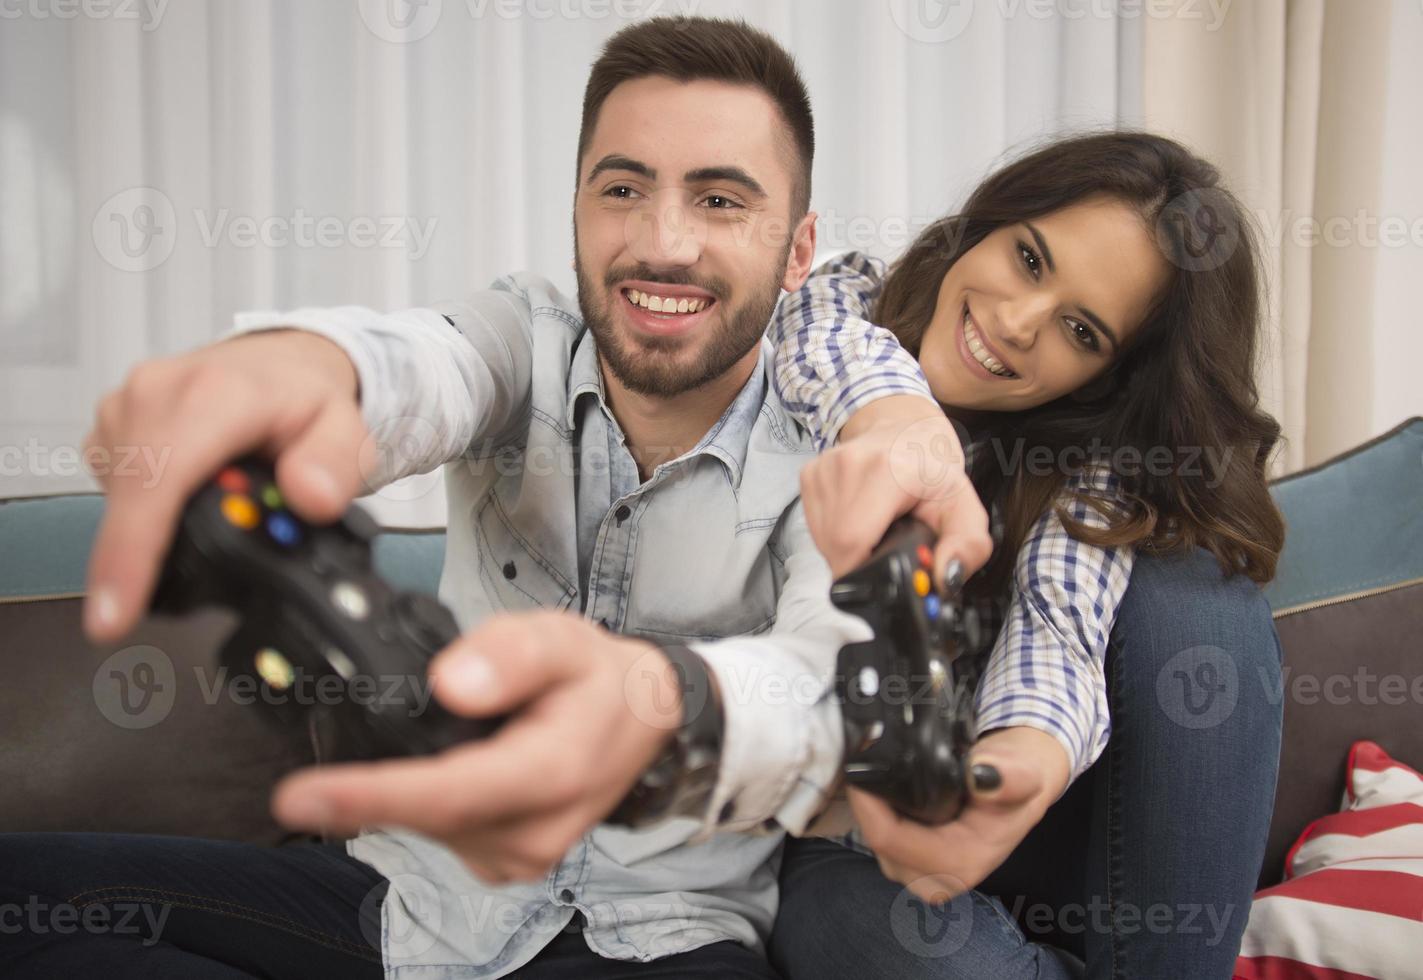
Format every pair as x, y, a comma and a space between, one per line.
123, 906
1144, 869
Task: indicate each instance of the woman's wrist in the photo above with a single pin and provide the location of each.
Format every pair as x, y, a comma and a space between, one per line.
892, 411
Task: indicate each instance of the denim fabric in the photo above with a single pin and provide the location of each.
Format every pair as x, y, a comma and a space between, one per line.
546, 510
1146, 866
123, 906
138, 905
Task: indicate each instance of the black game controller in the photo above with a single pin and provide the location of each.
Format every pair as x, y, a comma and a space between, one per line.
319, 630
906, 696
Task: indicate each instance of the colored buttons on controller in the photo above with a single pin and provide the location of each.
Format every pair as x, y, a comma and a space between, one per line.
241, 511
926, 557
922, 585
272, 497
284, 530
234, 480
932, 606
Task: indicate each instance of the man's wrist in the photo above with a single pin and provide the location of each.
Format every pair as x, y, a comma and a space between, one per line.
682, 777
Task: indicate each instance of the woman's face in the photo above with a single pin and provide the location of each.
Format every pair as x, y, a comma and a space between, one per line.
1039, 309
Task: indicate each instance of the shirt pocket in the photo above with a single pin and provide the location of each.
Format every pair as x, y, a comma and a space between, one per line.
515, 575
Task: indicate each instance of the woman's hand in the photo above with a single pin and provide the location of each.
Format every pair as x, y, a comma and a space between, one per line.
897, 455
939, 863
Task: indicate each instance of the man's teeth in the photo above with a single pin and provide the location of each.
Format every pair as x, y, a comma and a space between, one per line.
666, 304
980, 353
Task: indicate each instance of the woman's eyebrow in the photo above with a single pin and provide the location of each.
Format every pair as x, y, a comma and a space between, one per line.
1095, 320
1042, 245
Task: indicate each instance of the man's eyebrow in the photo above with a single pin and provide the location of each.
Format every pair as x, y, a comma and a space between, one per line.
735, 175
616, 161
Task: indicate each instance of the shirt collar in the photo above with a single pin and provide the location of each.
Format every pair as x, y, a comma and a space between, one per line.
727, 440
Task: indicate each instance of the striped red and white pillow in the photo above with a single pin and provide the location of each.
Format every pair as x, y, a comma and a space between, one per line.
1351, 904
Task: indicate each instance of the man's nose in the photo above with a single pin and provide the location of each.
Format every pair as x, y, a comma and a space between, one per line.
665, 231
1022, 318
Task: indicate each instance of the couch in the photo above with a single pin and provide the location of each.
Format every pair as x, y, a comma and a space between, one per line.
131, 738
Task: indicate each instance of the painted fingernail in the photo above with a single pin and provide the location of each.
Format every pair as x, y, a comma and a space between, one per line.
986, 778
953, 575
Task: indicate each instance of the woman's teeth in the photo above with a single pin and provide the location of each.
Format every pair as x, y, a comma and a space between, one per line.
665, 304
980, 353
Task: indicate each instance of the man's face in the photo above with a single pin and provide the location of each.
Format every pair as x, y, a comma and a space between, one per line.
682, 230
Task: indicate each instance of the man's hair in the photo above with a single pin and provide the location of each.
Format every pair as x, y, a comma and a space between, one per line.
689, 49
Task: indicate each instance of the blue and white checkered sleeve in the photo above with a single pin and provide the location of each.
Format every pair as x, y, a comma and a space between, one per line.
1047, 667
831, 361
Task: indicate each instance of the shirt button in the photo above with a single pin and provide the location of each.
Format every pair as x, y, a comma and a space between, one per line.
509, 570
622, 513
566, 895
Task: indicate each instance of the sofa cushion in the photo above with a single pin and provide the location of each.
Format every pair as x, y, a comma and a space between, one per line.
141, 736
1350, 904
1348, 606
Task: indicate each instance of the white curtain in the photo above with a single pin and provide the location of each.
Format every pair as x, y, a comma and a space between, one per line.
1311, 109
171, 163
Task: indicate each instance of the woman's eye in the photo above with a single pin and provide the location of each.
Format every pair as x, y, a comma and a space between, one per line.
1084, 335
1031, 261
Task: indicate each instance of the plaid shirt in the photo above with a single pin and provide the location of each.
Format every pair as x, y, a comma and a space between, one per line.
1045, 668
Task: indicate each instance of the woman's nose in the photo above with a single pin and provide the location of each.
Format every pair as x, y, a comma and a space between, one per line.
1020, 319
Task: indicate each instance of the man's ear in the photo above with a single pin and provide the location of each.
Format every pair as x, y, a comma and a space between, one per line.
802, 253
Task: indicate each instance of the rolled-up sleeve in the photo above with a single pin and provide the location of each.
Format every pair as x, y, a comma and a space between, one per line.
1047, 667
783, 743
831, 361
432, 381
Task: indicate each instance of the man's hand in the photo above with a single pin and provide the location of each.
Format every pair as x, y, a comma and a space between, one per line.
895, 456
940, 863
590, 712
289, 394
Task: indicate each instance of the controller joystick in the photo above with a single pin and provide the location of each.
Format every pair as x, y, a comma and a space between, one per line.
318, 630
906, 695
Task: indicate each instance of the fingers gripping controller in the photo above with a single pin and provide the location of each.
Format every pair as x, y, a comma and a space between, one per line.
907, 695
319, 630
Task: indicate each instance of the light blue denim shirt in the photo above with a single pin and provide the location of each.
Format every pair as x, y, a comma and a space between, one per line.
546, 509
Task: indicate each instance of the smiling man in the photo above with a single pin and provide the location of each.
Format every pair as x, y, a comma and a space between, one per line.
616, 466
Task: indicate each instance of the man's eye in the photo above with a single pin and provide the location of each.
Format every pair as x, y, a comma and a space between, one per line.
1084, 335
620, 191
720, 203
1031, 261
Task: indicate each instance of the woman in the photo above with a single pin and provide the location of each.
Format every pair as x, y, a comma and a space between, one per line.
1091, 316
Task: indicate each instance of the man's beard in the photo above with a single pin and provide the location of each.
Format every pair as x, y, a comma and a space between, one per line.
654, 369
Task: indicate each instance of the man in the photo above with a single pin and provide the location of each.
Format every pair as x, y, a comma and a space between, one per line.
654, 485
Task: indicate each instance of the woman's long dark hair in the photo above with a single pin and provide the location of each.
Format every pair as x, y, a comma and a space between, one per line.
1185, 381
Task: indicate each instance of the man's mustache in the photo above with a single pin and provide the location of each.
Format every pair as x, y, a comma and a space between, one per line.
718, 287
